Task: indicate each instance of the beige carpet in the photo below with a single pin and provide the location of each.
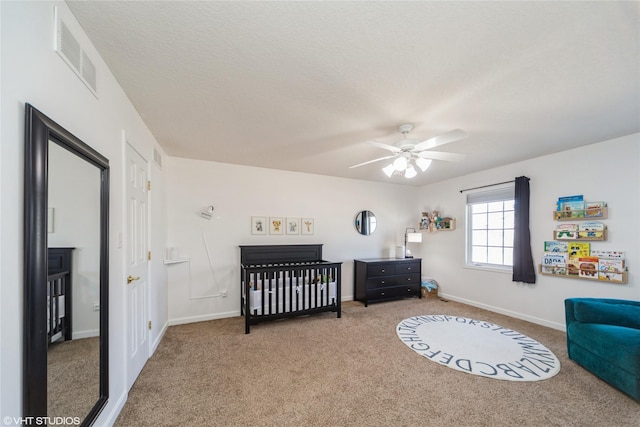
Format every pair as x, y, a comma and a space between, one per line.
73, 378
353, 371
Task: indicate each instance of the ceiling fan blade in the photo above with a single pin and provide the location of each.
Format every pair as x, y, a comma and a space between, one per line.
372, 161
385, 146
445, 138
441, 155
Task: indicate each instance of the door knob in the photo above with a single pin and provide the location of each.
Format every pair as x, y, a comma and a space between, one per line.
131, 279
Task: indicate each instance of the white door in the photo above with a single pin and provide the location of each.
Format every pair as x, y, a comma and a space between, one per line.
137, 264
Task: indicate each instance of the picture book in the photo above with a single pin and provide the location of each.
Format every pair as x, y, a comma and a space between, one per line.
555, 258
555, 246
591, 235
594, 209
573, 227
560, 270
610, 277
588, 267
570, 207
611, 265
573, 266
607, 254
566, 234
591, 226
579, 249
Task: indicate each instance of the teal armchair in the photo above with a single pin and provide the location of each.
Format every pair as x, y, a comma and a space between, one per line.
603, 336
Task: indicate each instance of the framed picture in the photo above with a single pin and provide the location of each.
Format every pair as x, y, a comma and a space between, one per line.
258, 225
276, 225
306, 226
293, 226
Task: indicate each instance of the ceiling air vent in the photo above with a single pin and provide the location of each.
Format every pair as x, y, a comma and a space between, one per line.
72, 53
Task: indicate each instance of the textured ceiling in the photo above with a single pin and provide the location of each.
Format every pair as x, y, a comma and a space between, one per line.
302, 86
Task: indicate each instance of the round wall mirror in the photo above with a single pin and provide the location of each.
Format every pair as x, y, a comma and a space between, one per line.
365, 222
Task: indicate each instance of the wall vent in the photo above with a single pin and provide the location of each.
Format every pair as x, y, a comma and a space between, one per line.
157, 157
72, 53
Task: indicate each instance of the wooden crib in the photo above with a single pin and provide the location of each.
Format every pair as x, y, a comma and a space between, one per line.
281, 281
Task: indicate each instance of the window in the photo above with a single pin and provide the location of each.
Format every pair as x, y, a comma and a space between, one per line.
490, 225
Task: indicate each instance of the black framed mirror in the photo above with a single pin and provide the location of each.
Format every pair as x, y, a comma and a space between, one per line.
365, 222
66, 274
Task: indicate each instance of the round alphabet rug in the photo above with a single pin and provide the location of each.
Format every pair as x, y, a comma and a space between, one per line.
478, 347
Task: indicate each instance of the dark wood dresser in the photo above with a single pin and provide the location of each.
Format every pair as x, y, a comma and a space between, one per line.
383, 279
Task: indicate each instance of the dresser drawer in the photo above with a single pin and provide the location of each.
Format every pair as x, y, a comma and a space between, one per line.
408, 279
381, 282
392, 293
375, 270
408, 267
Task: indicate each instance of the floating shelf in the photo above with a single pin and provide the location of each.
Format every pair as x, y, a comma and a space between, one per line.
625, 277
176, 261
587, 215
558, 235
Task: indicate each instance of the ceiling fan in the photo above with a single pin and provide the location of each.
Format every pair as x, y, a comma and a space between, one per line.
409, 152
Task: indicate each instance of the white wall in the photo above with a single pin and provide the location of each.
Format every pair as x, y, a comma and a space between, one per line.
32, 72
75, 223
239, 192
606, 171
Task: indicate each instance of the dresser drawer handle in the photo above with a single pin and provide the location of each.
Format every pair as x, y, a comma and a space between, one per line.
382, 293
408, 279
382, 270
382, 282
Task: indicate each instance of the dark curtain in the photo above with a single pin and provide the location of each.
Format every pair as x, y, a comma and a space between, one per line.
523, 268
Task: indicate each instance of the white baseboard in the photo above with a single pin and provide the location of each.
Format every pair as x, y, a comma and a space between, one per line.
108, 419
156, 343
202, 318
536, 320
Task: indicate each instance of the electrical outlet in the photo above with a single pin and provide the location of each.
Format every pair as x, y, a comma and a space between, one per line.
96, 306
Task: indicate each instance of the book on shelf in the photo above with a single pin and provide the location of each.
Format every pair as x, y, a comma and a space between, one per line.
607, 254
579, 249
590, 234
570, 207
555, 258
566, 234
611, 265
594, 209
571, 227
560, 270
555, 246
573, 266
591, 226
610, 277
588, 267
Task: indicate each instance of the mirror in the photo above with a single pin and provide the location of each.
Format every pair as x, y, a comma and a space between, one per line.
365, 222
66, 205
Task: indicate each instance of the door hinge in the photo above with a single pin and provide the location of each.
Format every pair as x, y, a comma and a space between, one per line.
148, 255
148, 185
149, 324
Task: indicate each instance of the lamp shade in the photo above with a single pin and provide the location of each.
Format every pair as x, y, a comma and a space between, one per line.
414, 237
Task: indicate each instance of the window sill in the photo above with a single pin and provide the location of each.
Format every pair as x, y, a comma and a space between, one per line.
503, 270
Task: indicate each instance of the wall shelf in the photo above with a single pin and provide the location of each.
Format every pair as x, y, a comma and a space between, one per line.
586, 215
625, 277
562, 236
176, 261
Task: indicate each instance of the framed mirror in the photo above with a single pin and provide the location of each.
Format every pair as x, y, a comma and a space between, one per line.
365, 222
66, 268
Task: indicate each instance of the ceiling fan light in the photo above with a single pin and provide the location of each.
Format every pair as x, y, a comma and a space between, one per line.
410, 172
400, 164
388, 170
423, 164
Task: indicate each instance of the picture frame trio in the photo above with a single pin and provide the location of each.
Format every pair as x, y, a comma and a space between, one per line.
277, 225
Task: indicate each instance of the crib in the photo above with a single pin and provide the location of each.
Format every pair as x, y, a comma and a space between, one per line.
280, 281
59, 261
